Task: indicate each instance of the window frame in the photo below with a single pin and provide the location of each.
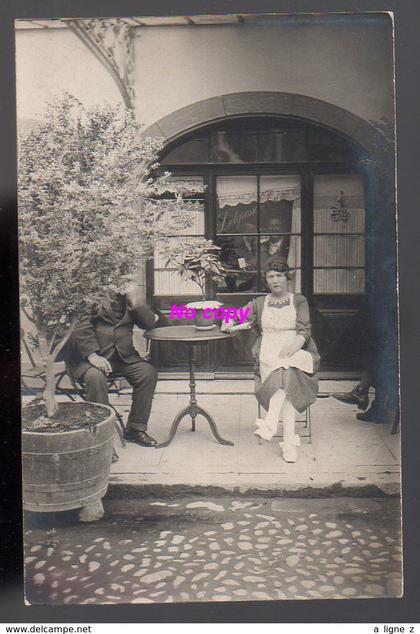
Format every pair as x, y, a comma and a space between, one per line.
306, 170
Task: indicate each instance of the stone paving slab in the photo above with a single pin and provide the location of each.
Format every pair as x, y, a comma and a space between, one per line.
207, 384
215, 549
316, 485
343, 453
237, 386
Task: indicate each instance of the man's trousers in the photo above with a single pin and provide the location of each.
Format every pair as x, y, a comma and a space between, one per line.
141, 375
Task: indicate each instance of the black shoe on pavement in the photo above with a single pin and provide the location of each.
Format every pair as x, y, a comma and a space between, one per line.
141, 438
374, 414
355, 397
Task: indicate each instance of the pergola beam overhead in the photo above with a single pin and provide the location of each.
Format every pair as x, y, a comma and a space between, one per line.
40, 24
160, 21
214, 19
146, 21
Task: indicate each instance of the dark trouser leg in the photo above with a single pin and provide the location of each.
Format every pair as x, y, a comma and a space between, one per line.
96, 386
366, 380
142, 377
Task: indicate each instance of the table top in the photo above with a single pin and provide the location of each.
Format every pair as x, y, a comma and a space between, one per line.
188, 334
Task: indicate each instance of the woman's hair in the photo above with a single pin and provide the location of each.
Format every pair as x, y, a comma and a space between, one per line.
278, 265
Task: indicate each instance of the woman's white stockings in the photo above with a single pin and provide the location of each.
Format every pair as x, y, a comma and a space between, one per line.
280, 403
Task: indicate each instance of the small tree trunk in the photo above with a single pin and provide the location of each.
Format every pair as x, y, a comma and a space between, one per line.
201, 281
51, 404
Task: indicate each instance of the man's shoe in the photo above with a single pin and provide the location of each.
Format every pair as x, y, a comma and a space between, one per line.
141, 438
374, 414
355, 397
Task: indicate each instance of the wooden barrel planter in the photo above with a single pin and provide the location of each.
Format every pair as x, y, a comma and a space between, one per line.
69, 469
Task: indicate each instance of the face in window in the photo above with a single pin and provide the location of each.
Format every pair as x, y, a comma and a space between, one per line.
249, 242
274, 225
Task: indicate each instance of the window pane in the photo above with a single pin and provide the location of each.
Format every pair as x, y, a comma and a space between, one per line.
238, 283
238, 253
233, 148
339, 281
280, 204
295, 284
195, 205
339, 251
294, 260
327, 146
161, 255
239, 256
280, 146
166, 279
236, 204
339, 205
168, 282
280, 212
339, 209
286, 248
194, 151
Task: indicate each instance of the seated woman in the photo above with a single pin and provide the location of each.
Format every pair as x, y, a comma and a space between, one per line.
286, 356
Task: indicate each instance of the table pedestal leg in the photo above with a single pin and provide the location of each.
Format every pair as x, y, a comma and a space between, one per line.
193, 410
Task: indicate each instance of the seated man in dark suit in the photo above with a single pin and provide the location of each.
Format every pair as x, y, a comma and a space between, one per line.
102, 344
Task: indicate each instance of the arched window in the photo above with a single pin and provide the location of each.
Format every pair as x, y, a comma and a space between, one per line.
275, 187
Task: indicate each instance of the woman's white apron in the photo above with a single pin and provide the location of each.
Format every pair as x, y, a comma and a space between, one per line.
279, 330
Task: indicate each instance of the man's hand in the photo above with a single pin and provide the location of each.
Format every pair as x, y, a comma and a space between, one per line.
100, 363
133, 294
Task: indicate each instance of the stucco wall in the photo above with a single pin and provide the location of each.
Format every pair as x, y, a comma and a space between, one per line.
54, 60
346, 64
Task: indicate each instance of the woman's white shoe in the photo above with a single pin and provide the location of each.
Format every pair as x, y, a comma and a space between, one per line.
264, 432
289, 449
289, 452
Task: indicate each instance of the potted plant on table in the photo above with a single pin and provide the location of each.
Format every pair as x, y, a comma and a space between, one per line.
198, 260
90, 212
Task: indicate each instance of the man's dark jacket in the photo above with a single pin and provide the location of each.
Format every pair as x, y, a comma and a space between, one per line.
108, 331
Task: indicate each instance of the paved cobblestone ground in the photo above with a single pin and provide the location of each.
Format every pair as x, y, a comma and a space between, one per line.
215, 549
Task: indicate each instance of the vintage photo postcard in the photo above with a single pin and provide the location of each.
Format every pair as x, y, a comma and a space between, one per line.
208, 286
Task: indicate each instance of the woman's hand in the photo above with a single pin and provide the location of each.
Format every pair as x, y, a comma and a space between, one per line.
287, 351
291, 348
227, 327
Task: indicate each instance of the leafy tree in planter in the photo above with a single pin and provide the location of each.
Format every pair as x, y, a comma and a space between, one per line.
90, 210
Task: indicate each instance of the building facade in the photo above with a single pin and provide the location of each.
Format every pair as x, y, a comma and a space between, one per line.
286, 123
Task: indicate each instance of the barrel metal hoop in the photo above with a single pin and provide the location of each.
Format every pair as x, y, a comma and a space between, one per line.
63, 453
48, 488
63, 506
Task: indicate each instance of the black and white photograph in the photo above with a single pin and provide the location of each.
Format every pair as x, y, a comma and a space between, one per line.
209, 308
